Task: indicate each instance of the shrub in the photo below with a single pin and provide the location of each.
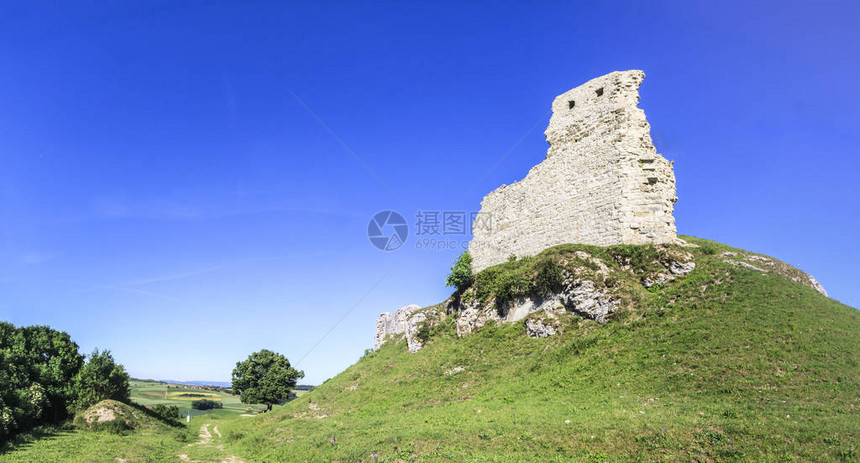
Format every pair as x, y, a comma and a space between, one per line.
118, 427
101, 378
461, 272
206, 404
182, 435
505, 281
233, 435
423, 333
550, 277
168, 413
640, 258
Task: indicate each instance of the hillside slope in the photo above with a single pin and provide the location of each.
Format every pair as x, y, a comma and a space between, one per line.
726, 364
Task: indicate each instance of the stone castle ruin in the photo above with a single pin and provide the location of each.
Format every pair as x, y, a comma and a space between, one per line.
602, 182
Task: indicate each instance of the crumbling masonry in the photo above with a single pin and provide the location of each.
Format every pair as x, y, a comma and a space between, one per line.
602, 182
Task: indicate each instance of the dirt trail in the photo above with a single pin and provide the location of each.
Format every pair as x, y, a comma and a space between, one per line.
206, 440
205, 436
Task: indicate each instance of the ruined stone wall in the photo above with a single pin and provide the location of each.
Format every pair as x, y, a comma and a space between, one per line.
602, 182
401, 322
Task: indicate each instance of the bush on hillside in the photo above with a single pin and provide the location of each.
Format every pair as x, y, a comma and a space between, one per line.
168, 413
206, 404
460, 276
550, 277
101, 378
640, 258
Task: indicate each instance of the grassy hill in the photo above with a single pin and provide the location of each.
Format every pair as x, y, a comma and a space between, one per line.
726, 364
739, 360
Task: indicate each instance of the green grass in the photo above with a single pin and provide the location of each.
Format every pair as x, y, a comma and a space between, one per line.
153, 444
149, 441
724, 364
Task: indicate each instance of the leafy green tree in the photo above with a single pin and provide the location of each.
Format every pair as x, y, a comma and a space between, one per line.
461, 272
53, 361
37, 365
266, 377
101, 378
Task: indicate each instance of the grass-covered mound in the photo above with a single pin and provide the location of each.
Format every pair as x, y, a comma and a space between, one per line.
115, 416
106, 432
728, 363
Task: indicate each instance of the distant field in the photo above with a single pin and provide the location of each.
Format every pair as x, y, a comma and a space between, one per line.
152, 392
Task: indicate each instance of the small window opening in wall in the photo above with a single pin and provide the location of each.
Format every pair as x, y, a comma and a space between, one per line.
599, 91
571, 104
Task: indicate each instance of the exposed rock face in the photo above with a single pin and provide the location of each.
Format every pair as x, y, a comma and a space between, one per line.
580, 296
816, 285
583, 292
767, 264
404, 321
602, 182
539, 329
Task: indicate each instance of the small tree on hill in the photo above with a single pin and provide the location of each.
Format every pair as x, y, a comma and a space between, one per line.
101, 378
266, 377
461, 272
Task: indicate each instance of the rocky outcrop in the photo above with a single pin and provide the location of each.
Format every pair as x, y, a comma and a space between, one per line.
816, 285
584, 292
539, 328
583, 297
404, 322
765, 264
393, 323
602, 182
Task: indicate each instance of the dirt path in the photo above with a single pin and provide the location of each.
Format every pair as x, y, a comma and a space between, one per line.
206, 440
205, 436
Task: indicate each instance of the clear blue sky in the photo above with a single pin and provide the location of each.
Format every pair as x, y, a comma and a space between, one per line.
165, 195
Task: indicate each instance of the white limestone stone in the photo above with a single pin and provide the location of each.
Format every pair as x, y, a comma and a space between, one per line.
394, 323
402, 323
602, 182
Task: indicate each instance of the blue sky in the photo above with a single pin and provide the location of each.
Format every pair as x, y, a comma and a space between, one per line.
185, 185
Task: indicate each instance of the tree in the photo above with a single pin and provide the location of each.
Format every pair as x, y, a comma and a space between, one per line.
266, 377
101, 378
461, 272
37, 365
